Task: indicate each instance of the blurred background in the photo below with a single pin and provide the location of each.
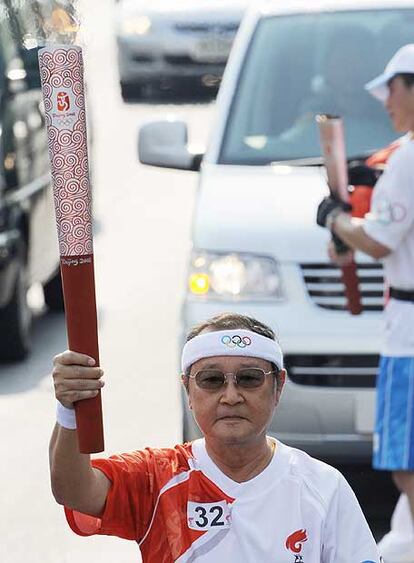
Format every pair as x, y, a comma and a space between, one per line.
143, 220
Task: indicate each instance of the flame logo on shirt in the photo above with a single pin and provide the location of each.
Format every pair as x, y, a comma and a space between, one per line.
63, 101
294, 541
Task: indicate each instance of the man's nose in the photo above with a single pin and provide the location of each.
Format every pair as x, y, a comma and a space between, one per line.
231, 392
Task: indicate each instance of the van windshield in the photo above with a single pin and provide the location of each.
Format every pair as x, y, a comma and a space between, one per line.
300, 65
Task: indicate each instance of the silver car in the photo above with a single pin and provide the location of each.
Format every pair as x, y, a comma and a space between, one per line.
162, 43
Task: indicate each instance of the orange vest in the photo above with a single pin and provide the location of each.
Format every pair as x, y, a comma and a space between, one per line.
360, 197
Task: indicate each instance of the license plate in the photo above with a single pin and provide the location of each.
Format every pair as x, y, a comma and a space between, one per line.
215, 49
365, 413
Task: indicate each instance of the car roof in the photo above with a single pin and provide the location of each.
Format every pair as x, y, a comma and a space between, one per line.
275, 7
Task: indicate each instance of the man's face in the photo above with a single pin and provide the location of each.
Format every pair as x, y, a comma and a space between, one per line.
233, 415
400, 105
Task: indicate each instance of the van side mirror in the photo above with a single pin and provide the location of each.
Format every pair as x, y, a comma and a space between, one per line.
165, 144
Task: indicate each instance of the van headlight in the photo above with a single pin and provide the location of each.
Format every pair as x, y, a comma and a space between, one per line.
234, 276
136, 25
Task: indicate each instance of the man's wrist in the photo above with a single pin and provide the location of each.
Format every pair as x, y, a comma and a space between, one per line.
65, 417
332, 217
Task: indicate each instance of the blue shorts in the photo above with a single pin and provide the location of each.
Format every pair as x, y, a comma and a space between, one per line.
394, 425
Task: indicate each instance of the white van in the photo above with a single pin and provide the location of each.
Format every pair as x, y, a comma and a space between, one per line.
256, 247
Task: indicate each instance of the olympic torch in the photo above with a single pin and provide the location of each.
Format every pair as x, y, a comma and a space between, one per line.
61, 69
331, 130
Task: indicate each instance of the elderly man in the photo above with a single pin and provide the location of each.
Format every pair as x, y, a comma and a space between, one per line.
387, 233
235, 496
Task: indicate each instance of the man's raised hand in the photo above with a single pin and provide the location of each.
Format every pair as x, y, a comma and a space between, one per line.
75, 378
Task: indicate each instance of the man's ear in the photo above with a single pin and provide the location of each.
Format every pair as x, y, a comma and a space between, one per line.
281, 379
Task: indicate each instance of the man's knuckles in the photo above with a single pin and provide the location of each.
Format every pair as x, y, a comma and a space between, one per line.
84, 384
61, 371
67, 387
68, 357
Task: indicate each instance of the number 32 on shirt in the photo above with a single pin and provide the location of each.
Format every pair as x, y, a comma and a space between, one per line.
208, 515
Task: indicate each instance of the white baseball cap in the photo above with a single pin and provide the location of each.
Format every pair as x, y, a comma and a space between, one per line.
401, 62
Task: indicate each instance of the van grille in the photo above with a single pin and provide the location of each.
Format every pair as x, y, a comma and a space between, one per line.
343, 370
207, 27
326, 289
185, 60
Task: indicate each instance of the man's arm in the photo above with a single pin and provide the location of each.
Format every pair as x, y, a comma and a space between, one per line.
75, 483
351, 231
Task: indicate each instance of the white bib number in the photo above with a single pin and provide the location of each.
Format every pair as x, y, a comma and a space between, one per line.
208, 515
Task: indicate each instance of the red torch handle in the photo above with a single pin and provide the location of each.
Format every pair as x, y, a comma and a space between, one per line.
332, 137
81, 322
351, 283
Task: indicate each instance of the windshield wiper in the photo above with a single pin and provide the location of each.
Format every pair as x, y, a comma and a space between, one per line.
308, 161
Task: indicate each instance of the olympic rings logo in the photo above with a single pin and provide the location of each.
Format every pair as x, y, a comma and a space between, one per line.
64, 122
387, 212
236, 340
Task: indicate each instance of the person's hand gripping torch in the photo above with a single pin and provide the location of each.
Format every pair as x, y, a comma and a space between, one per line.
332, 138
61, 69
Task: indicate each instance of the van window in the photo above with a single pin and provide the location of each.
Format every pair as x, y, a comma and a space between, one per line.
300, 65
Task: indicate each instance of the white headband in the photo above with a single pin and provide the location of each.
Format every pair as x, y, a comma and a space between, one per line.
234, 342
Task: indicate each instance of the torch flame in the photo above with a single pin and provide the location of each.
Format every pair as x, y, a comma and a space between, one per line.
36, 22
62, 25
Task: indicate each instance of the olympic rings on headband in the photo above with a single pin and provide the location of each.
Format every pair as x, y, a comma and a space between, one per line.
236, 340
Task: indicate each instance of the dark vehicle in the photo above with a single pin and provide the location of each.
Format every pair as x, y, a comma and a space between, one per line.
28, 245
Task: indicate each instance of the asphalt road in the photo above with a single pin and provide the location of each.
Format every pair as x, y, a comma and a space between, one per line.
142, 233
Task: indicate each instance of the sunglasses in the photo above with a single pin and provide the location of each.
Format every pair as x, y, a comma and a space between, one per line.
214, 379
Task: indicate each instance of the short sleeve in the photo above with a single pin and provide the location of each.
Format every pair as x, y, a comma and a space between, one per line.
130, 501
347, 536
392, 207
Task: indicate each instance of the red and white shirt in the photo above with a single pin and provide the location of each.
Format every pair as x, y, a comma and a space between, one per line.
179, 507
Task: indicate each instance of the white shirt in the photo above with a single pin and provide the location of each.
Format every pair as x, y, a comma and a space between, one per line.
391, 223
180, 507
297, 510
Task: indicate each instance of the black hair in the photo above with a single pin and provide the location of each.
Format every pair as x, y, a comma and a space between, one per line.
226, 321
406, 77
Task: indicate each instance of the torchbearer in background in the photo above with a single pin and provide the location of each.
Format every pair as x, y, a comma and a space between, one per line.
387, 233
61, 70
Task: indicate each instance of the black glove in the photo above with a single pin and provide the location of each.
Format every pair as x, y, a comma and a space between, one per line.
362, 175
340, 246
327, 206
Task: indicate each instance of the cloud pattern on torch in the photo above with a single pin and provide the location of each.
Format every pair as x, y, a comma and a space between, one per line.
61, 70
